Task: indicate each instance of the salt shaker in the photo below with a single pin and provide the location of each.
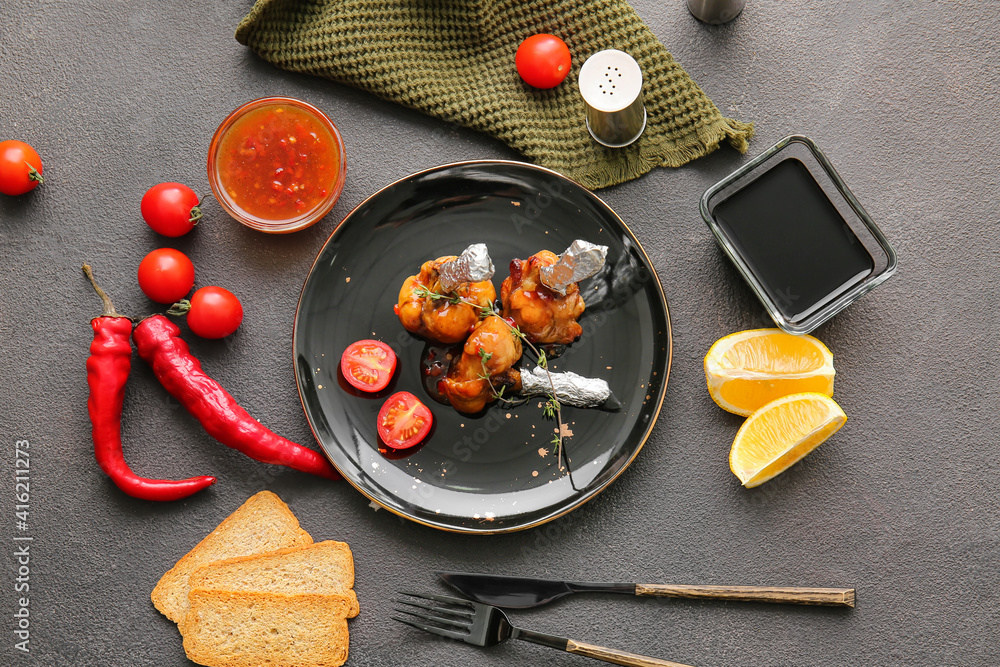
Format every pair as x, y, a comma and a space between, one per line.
611, 85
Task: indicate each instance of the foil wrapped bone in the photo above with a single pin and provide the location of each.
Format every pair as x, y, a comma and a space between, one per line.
581, 260
472, 266
570, 388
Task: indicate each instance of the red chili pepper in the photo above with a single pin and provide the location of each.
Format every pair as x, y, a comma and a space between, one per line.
107, 371
160, 345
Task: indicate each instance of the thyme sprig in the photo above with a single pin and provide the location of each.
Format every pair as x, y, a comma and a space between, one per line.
551, 409
423, 292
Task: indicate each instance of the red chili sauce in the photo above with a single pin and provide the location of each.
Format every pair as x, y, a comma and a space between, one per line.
277, 162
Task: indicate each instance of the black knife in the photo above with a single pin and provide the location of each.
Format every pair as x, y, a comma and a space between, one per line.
524, 592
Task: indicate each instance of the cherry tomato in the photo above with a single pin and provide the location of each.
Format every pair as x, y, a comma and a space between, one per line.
170, 209
543, 61
368, 365
214, 313
166, 275
20, 168
403, 421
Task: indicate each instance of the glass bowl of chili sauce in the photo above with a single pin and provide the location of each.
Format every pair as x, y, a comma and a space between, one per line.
276, 164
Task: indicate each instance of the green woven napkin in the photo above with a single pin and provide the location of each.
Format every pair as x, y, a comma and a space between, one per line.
454, 59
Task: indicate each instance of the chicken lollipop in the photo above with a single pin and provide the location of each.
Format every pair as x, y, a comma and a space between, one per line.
541, 294
465, 282
489, 353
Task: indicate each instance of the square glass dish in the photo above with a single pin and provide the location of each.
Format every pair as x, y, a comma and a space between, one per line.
797, 234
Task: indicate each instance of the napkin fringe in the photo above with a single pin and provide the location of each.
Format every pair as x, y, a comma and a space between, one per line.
625, 164
738, 133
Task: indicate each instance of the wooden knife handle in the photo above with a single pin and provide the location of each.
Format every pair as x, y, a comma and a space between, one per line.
617, 657
834, 597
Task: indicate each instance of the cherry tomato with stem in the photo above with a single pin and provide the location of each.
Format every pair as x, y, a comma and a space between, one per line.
404, 421
212, 312
166, 275
368, 365
543, 60
20, 168
171, 209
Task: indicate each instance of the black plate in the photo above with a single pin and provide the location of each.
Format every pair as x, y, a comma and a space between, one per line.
492, 472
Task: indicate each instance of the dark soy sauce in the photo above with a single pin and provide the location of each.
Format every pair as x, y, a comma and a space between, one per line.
793, 239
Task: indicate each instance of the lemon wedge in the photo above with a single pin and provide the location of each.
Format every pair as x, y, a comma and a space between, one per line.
749, 369
781, 433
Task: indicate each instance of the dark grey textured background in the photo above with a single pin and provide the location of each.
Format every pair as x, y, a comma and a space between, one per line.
901, 503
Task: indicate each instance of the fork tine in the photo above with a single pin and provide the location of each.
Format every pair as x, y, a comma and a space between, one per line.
433, 630
440, 598
434, 619
441, 610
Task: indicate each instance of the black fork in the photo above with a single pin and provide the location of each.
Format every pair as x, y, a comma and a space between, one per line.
483, 625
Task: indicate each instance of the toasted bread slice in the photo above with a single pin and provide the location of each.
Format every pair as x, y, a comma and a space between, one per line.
230, 629
326, 568
262, 524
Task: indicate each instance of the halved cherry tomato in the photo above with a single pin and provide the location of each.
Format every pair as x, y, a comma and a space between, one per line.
368, 365
543, 61
404, 421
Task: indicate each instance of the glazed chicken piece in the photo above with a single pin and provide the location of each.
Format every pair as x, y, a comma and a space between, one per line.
436, 318
542, 315
491, 350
